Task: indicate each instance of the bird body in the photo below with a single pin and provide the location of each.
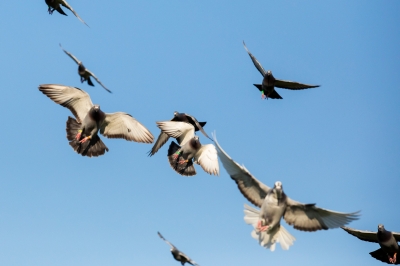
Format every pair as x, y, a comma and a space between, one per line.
56, 5
177, 254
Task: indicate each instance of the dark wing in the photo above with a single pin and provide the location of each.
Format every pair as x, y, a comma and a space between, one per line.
98, 81
382, 255
252, 189
64, 3
396, 236
161, 140
166, 241
291, 85
255, 61
71, 55
308, 217
123, 126
76, 100
192, 120
363, 235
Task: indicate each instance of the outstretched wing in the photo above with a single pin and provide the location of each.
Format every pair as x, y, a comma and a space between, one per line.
161, 140
252, 189
363, 235
166, 241
64, 3
291, 85
98, 81
76, 100
255, 61
207, 157
71, 55
124, 126
182, 130
308, 217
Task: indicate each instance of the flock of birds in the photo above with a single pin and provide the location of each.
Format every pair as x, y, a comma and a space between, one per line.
82, 134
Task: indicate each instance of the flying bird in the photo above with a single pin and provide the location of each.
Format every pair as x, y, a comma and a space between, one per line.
82, 132
83, 72
387, 240
56, 5
275, 204
178, 255
180, 117
181, 158
269, 83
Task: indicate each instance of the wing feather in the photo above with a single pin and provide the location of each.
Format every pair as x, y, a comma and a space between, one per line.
98, 81
207, 158
291, 85
124, 126
71, 55
182, 130
252, 189
76, 100
255, 61
64, 3
363, 235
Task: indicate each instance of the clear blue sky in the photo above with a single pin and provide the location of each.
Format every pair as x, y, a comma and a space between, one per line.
337, 145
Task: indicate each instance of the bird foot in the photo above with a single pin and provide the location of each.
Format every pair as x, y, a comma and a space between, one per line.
260, 228
51, 11
183, 161
84, 139
78, 136
176, 155
393, 260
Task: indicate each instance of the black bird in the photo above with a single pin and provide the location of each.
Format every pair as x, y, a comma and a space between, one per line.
269, 83
178, 255
55, 5
387, 240
178, 117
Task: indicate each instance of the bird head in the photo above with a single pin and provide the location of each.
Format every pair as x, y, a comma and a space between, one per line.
269, 73
381, 228
96, 108
278, 190
176, 113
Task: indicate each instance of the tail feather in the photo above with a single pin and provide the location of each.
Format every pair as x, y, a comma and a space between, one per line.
89, 81
59, 10
186, 169
268, 239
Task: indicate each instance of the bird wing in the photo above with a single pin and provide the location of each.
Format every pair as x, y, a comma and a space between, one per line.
166, 241
71, 55
182, 130
291, 85
252, 189
76, 100
161, 140
363, 235
396, 236
124, 126
308, 217
255, 61
98, 81
64, 3
207, 157
193, 121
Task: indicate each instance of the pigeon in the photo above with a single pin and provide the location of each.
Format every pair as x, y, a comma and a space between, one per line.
83, 72
55, 5
178, 255
275, 204
180, 157
269, 83
387, 240
182, 117
82, 131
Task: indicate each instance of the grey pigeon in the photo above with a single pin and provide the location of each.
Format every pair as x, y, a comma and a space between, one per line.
275, 204
181, 158
83, 72
387, 240
82, 132
56, 5
182, 117
269, 83
178, 255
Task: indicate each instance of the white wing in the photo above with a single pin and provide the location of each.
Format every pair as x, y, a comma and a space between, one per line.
76, 100
180, 130
124, 126
207, 158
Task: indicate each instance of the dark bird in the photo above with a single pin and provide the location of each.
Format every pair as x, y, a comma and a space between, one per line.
179, 117
56, 5
83, 72
181, 158
269, 83
275, 204
178, 255
387, 240
82, 132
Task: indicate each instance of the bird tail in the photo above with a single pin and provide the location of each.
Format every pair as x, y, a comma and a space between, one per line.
267, 239
186, 169
89, 81
59, 10
92, 148
272, 95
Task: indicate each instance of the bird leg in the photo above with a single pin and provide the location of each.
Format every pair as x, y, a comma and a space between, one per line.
183, 161
82, 79
393, 260
263, 95
261, 228
51, 10
176, 155
78, 136
85, 139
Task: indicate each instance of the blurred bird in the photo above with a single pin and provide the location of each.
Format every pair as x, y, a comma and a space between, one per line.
269, 83
178, 255
387, 240
181, 158
275, 204
83, 72
82, 132
180, 117
55, 5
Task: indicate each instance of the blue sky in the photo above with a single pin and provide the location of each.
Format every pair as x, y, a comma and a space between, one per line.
337, 145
